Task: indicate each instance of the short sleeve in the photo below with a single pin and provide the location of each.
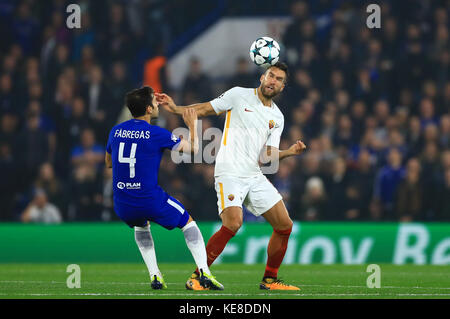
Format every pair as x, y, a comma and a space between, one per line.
225, 101
166, 139
275, 136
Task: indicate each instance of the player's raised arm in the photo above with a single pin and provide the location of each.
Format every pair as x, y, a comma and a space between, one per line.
272, 153
190, 119
202, 109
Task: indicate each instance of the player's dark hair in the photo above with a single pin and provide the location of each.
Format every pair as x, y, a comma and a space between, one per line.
282, 66
138, 100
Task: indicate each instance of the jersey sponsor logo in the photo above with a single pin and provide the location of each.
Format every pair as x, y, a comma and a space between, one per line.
122, 185
271, 124
231, 197
174, 138
131, 134
247, 110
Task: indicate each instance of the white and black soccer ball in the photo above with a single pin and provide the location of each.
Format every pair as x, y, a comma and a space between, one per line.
265, 51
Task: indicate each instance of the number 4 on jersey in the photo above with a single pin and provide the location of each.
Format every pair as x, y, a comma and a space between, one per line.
130, 160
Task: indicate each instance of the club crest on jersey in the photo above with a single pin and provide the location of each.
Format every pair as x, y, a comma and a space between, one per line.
231, 197
271, 124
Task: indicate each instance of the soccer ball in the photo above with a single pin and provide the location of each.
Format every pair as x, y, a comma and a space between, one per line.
265, 51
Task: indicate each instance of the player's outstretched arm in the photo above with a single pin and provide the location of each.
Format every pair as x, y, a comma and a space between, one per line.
273, 153
202, 109
190, 119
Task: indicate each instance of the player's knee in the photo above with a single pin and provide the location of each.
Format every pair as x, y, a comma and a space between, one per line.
285, 224
234, 224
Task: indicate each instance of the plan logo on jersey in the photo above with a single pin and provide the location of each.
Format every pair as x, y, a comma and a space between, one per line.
231, 197
174, 138
122, 185
271, 124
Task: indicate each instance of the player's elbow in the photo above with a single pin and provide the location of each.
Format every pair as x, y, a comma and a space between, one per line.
194, 149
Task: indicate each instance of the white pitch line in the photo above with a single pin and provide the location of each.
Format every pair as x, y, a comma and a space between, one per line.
218, 295
172, 283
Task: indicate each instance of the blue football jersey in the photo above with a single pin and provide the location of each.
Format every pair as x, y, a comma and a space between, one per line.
136, 148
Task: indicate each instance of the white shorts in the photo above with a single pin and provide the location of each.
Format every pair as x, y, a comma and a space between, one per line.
256, 193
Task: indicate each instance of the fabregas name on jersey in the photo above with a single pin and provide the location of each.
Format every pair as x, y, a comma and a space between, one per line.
132, 134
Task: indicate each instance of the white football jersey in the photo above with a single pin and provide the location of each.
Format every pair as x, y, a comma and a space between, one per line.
249, 125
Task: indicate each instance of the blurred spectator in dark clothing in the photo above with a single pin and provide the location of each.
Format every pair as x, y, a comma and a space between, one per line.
89, 152
197, 82
413, 65
442, 65
445, 98
427, 113
336, 189
358, 114
7, 97
86, 200
52, 185
429, 159
300, 83
56, 64
78, 121
409, 195
9, 171
343, 138
47, 125
40, 210
362, 175
444, 134
47, 52
8, 128
115, 39
82, 37
299, 11
314, 201
414, 136
86, 63
442, 199
366, 88
386, 183
97, 96
119, 84
58, 23
242, 77
309, 61
25, 28
32, 148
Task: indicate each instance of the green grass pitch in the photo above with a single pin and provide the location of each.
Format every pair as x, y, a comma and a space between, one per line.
240, 281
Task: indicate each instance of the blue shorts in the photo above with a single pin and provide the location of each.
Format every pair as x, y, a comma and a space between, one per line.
168, 212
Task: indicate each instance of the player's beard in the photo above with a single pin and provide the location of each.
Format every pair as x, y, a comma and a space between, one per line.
269, 94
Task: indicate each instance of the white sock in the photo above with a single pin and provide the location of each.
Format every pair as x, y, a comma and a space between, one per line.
144, 240
195, 243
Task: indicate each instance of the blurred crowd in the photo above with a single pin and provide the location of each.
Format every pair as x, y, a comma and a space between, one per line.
372, 105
